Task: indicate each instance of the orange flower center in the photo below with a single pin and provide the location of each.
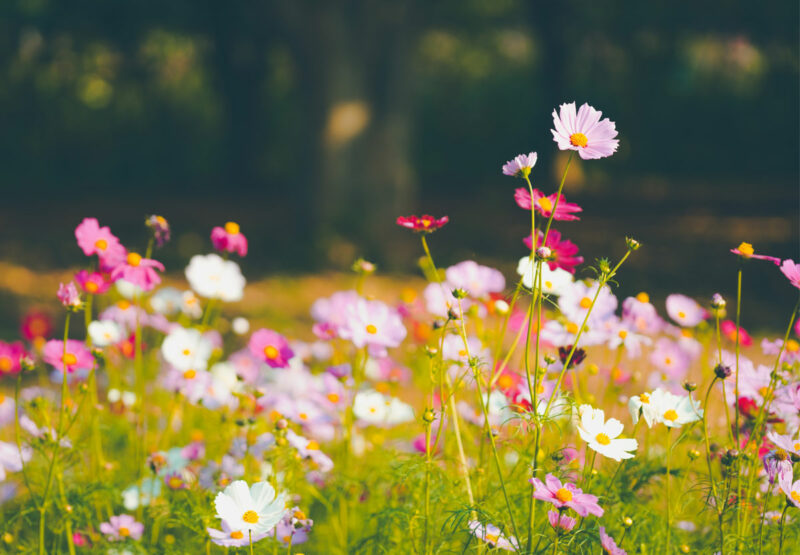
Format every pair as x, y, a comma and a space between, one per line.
101, 244
545, 203
69, 359
572, 327
643, 297
270, 352
91, 287
564, 495
372, 329
586, 302
792, 346
312, 446
681, 314
645, 398
5, 364
134, 259
578, 139
426, 222
124, 532
623, 334
505, 381
299, 515
190, 374
333, 397
250, 517
671, 415
124, 304
796, 497
602, 439
232, 228
175, 482
746, 250
492, 538
797, 446
237, 535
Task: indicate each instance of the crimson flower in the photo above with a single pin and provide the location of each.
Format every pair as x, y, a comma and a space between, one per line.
424, 224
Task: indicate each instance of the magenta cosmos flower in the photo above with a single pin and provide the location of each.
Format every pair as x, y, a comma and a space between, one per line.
685, 311
93, 283
563, 253
565, 211
565, 495
229, 239
77, 356
271, 347
122, 527
68, 295
792, 272
521, 165
609, 545
425, 224
93, 239
10, 355
585, 131
745, 250
372, 324
139, 271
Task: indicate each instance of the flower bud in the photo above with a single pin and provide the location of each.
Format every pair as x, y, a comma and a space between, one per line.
459, 293
689, 386
431, 351
281, 424
501, 307
632, 243
281, 441
717, 301
27, 364
428, 416
8, 538
684, 548
627, 521
722, 371
694, 454
729, 457
362, 266
544, 252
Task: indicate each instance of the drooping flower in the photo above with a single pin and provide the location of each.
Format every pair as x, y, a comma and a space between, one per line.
544, 205
271, 347
214, 278
584, 131
93, 283
684, 310
69, 296
122, 527
560, 522
186, 349
603, 436
477, 280
565, 495
609, 545
256, 509
521, 165
423, 224
139, 271
792, 272
229, 239
745, 250
563, 254
76, 356
160, 229
93, 239
493, 536
777, 463
372, 324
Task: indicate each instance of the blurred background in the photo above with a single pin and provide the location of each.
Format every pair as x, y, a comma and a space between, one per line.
315, 124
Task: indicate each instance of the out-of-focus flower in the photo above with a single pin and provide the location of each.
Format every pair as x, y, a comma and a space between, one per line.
11, 459
93, 239
477, 280
10, 355
75, 357
565, 211
565, 495
584, 131
789, 488
230, 537
372, 324
745, 250
560, 522
186, 349
684, 310
372, 407
293, 528
423, 224
229, 239
93, 283
609, 545
160, 229
122, 527
139, 271
69, 296
240, 326
104, 333
521, 165
554, 281
661, 406
728, 329
785, 442
256, 509
792, 272
36, 325
603, 436
564, 253
271, 347
493, 536
214, 278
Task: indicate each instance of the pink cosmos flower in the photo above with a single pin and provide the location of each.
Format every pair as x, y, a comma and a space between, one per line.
93, 239
425, 224
641, 314
745, 250
792, 272
521, 165
372, 324
609, 544
565, 211
670, 358
93, 283
561, 522
477, 280
684, 310
229, 239
585, 132
728, 329
565, 495
139, 271
77, 355
271, 347
10, 355
563, 252
122, 527
68, 295
36, 324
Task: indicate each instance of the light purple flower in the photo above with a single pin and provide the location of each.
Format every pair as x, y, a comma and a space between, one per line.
670, 359
521, 165
585, 132
293, 529
641, 314
122, 527
372, 324
68, 295
477, 280
565, 495
10, 458
685, 311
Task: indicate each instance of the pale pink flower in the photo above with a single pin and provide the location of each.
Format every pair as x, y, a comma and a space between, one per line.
584, 131
372, 324
561, 522
609, 544
685, 311
565, 495
68, 295
792, 272
76, 356
521, 165
477, 280
122, 527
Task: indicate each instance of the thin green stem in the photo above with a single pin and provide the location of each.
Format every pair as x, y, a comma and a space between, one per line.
711, 479
669, 505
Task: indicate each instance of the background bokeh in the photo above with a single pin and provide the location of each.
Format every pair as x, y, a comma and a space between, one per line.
315, 124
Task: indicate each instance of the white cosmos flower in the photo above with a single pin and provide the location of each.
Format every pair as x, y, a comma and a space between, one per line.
640, 405
372, 407
211, 276
554, 282
674, 410
166, 300
104, 333
602, 435
256, 509
240, 326
186, 349
127, 289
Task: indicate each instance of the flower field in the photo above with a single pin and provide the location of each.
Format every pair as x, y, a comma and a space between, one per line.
461, 411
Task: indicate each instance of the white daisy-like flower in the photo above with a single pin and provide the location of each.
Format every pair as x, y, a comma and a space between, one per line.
603, 436
166, 300
104, 333
674, 410
186, 349
640, 405
255, 509
372, 407
213, 277
554, 282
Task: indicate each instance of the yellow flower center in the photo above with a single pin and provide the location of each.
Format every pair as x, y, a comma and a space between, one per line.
492, 538
681, 314
101, 244
312, 446
505, 381
572, 327
299, 515
186, 352
237, 535
134, 259
426, 222
763, 391
616, 373
124, 304
797, 446
250, 517
5, 364
623, 334
645, 398
2, 398
303, 416
668, 361
540, 389
175, 482
602, 439
671, 415
792, 346
545, 203
91, 287
643, 297
746, 250
372, 329
796, 496
69, 359
548, 284
564, 495
270, 352
190, 374
462, 353
586, 302
124, 532
232, 228
578, 139
333, 397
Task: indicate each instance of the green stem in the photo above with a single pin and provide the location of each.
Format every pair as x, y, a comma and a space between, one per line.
736, 407
669, 505
710, 471
783, 518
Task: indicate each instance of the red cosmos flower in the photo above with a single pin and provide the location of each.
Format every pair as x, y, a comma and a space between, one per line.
728, 328
563, 252
544, 205
425, 224
36, 324
10, 355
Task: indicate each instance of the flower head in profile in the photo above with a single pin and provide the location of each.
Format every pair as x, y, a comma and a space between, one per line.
36, 325
792, 272
565, 495
785, 442
521, 165
563, 253
122, 527
493, 536
229, 239
728, 329
544, 205
584, 131
76, 356
477, 280
69, 296
746, 250
256, 509
661, 406
603, 436
139, 271
271, 347
609, 545
293, 529
789, 488
684, 310
560, 522
422, 224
